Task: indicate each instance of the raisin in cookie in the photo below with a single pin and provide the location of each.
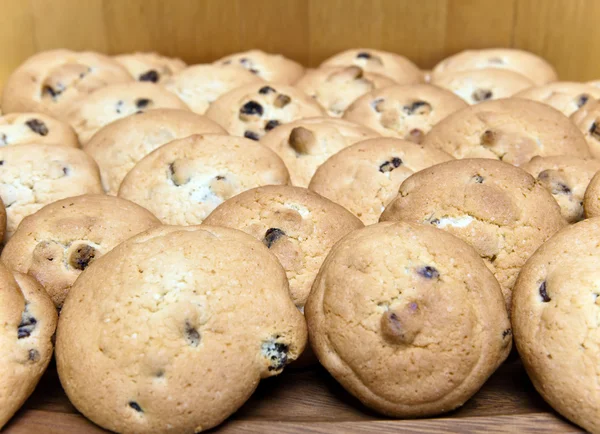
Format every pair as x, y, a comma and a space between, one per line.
53, 81
513, 130
306, 144
497, 208
273, 68
566, 178
392, 65
183, 181
587, 119
199, 85
555, 320
22, 128
150, 67
408, 319
336, 87
33, 175
254, 109
365, 177
175, 328
525, 63
565, 96
60, 240
115, 102
118, 146
480, 85
591, 199
297, 225
28, 325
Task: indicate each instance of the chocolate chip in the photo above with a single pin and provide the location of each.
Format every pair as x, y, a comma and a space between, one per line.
488, 138
219, 177
478, 179
544, 292
595, 130
65, 171
253, 71
435, 222
507, 332
481, 95
251, 135
120, 105
428, 272
3, 139
582, 100
282, 100
251, 108
363, 55
376, 104
390, 165
27, 324
276, 353
272, 235
265, 90
136, 406
50, 91
416, 136
560, 188
178, 178
37, 127
82, 257
142, 103
1, 162
151, 75
271, 124
191, 335
421, 106
33, 355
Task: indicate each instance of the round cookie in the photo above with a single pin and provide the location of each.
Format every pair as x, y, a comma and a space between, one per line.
183, 181
408, 319
273, 68
497, 208
554, 317
115, 102
566, 178
297, 225
365, 177
118, 146
33, 175
392, 65
254, 109
199, 85
336, 87
565, 96
405, 112
168, 318
22, 128
28, 325
591, 199
51, 82
150, 67
587, 119
525, 63
306, 144
513, 130
480, 85
59, 241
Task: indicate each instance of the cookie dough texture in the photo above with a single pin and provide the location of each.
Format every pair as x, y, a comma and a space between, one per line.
22, 128
297, 225
555, 309
565, 96
408, 319
51, 82
273, 68
587, 119
32, 176
513, 130
151, 67
336, 87
184, 180
306, 144
29, 322
365, 177
174, 329
495, 207
566, 178
118, 146
405, 112
591, 199
523, 62
58, 242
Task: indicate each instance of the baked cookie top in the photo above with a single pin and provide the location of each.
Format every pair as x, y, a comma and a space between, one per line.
21, 128
273, 68
565, 96
150, 67
587, 119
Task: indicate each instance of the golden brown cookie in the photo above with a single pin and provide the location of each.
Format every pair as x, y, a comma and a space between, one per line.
22, 128
565, 96
591, 199
587, 119
150, 67
273, 68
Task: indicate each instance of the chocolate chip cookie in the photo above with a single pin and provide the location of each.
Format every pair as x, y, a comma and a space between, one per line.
408, 319
150, 67
59, 241
22, 128
565, 96
273, 68
587, 119
175, 328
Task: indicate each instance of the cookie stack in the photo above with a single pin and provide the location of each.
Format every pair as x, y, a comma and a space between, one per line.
189, 230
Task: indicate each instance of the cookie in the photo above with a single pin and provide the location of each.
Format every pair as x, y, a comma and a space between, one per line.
118, 146
392, 65
566, 178
22, 128
480, 85
554, 318
32, 176
165, 320
2, 219
587, 119
336, 87
591, 198
273, 68
183, 181
150, 67
199, 85
565, 96
28, 324
115, 102
405, 112
254, 109
365, 177
306, 144
408, 319
497, 208
513, 130
59, 241
297, 225
525, 63
51, 82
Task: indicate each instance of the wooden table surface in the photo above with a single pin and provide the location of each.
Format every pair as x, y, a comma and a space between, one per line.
311, 401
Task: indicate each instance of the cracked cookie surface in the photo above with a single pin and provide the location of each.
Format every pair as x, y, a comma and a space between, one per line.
22, 128
565, 96
273, 68
151, 67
